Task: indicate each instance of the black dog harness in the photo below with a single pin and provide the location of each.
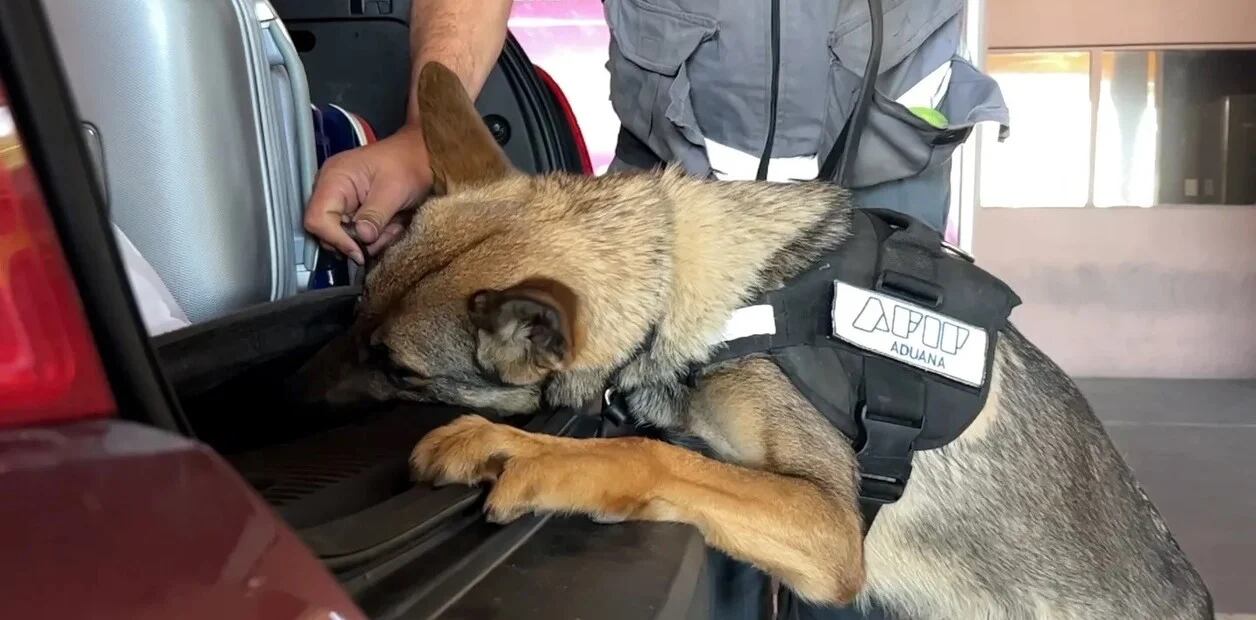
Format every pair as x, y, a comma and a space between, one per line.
891, 338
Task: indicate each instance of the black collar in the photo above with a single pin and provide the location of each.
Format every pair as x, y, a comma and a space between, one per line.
614, 402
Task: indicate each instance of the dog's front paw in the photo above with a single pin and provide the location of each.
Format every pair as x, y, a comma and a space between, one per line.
468, 450
608, 481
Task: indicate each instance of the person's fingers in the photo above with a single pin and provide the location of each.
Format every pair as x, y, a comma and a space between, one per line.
366, 229
360, 192
385, 199
390, 234
333, 196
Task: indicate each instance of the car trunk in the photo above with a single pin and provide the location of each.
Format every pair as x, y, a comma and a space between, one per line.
340, 477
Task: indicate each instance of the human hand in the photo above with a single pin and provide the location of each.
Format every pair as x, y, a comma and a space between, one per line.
368, 188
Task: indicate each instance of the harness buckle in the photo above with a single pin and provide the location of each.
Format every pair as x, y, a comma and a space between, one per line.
885, 457
880, 490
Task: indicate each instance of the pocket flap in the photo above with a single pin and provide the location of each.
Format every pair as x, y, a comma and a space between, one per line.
974, 97
656, 38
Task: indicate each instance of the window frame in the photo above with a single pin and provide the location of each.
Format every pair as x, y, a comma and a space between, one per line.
1095, 63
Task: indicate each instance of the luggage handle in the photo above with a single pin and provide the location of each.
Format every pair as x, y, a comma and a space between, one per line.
307, 164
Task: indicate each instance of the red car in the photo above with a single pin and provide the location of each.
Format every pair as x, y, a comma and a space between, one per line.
169, 478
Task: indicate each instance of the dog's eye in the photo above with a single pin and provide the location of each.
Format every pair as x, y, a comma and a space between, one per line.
399, 376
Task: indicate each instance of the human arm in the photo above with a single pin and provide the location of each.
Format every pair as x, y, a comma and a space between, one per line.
370, 186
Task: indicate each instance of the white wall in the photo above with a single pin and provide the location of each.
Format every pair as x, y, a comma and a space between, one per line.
1159, 292
1073, 23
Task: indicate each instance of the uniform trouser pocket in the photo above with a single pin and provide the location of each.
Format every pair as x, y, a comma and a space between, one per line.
649, 51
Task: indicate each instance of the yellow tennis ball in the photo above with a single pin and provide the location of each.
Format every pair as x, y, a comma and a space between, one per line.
931, 116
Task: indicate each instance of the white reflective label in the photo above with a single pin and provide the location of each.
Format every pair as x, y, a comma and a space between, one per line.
910, 333
748, 321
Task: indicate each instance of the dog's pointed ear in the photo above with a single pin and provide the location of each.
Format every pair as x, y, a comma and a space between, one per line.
462, 150
527, 330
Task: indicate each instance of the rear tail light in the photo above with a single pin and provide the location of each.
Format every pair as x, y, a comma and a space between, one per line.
586, 163
49, 368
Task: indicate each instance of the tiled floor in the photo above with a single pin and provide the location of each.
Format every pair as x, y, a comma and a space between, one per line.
1193, 446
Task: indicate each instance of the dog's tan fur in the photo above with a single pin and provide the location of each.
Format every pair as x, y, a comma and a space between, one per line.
785, 525
509, 285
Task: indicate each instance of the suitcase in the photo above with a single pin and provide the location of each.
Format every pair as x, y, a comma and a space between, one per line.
197, 113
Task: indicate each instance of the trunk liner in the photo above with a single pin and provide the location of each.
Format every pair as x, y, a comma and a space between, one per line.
339, 477
348, 491
340, 471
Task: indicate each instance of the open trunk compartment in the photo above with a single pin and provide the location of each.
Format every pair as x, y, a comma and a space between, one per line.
340, 478
402, 550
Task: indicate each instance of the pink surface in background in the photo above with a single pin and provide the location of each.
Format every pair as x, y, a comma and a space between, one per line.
569, 39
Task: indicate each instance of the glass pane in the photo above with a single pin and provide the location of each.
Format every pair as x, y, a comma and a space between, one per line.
1046, 160
1206, 147
1127, 129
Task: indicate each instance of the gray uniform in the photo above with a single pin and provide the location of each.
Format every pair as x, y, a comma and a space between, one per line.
685, 70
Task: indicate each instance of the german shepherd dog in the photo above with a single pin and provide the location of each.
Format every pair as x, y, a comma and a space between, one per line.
511, 290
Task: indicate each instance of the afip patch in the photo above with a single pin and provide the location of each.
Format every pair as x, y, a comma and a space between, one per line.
909, 333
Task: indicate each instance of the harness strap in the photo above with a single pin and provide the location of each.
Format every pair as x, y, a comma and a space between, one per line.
892, 413
890, 419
